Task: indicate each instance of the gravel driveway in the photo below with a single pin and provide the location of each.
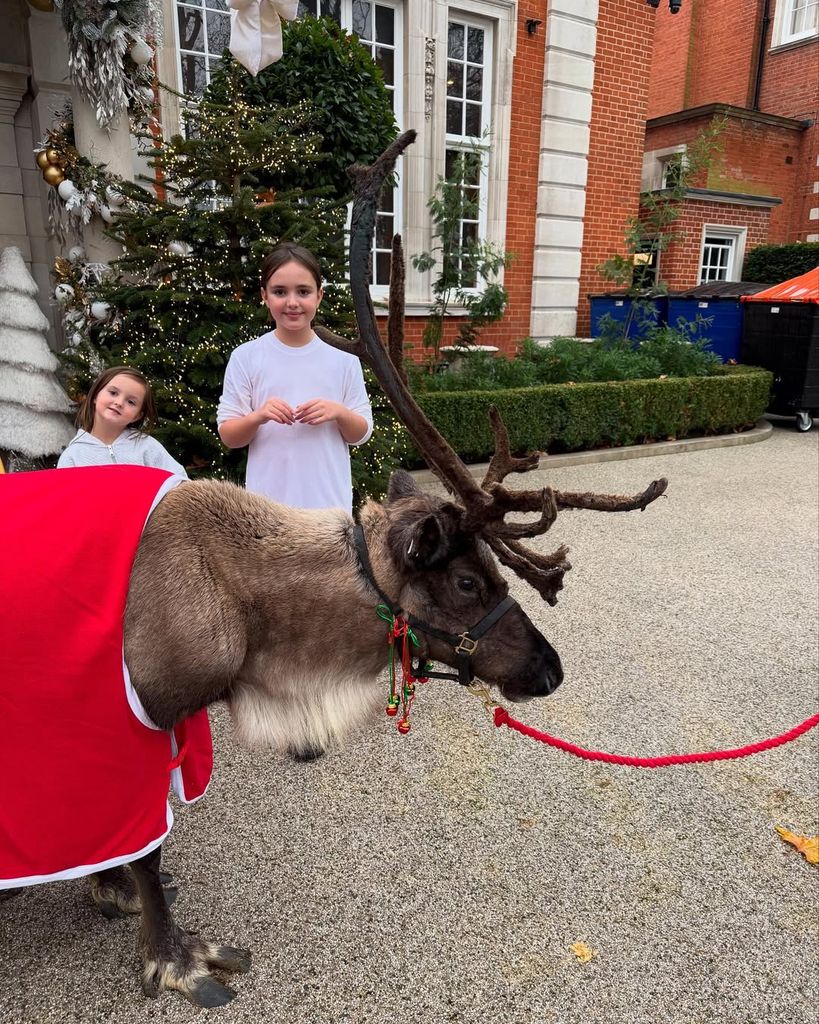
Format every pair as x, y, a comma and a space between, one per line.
444, 876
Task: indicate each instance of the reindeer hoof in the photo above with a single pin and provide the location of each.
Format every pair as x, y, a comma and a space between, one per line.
189, 970
229, 958
115, 893
208, 992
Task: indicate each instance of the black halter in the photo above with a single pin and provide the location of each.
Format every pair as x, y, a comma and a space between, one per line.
465, 644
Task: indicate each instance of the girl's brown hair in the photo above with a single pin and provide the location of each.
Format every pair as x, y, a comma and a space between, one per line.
144, 423
286, 252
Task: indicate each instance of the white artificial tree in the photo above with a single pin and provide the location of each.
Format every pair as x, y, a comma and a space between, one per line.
33, 406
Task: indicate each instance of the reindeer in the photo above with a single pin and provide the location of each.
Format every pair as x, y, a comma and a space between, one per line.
223, 604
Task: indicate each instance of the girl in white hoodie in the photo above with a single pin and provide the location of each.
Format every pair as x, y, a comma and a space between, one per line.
115, 420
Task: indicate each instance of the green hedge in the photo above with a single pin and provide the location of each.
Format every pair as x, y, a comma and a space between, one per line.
772, 264
567, 417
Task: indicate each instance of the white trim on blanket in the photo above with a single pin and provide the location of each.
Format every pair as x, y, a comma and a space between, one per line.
134, 702
89, 869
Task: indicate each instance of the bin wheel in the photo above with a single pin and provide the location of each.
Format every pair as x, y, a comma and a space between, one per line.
804, 421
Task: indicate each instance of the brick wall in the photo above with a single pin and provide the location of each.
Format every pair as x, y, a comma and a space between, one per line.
704, 54
624, 37
671, 40
708, 54
790, 87
757, 157
680, 263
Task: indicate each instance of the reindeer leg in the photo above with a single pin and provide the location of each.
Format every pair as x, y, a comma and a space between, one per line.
173, 958
115, 892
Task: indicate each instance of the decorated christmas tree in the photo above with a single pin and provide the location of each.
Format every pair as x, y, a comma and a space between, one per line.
33, 406
185, 292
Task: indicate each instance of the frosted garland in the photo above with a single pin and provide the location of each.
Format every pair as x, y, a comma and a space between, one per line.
108, 58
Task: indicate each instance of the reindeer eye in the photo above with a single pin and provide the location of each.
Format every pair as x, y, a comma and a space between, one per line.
467, 584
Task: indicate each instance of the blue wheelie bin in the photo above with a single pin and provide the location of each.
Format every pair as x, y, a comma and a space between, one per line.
719, 302
625, 309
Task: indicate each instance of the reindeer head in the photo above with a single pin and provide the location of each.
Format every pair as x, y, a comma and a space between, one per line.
448, 579
449, 538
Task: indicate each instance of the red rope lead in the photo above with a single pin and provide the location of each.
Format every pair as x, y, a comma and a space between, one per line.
502, 717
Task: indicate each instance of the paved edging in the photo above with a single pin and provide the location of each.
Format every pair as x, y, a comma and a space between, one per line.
760, 432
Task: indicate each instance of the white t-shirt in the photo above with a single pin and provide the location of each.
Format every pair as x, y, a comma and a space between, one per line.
130, 448
299, 465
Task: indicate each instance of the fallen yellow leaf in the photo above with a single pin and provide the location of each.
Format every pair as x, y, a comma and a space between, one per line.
808, 846
583, 952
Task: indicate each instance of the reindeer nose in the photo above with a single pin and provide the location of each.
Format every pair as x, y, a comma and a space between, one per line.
551, 675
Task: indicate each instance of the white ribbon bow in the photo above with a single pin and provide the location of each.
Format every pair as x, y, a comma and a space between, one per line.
256, 31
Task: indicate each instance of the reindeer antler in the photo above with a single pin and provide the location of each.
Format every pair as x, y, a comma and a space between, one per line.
485, 505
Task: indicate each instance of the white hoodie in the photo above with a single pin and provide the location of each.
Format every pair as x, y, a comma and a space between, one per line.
131, 448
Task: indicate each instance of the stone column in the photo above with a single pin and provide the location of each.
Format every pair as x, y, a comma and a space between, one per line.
110, 146
571, 43
13, 231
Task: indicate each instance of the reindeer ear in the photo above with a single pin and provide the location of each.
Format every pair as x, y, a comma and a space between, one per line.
425, 544
402, 485
429, 541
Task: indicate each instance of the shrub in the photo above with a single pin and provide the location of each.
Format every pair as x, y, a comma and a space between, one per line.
772, 264
351, 110
567, 417
679, 351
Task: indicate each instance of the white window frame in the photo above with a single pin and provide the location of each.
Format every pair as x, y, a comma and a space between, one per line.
480, 145
738, 236
381, 291
196, 5
782, 34
655, 164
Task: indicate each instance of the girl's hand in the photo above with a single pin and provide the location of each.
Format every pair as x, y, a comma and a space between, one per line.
319, 410
277, 410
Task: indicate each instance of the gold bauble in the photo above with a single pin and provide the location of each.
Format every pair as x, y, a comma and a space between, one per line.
53, 175
53, 155
42, 159
41, 5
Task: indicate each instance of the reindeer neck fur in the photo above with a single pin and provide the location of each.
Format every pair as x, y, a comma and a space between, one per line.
238, 598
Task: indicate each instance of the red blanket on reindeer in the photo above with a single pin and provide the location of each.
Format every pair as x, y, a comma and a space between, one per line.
84, 774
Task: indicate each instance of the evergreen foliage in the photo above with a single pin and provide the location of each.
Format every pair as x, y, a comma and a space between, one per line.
773, 264
326, 67
185, 293
571, 416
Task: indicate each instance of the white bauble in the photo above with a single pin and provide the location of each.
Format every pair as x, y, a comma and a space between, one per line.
107, 214
147, 93
114, 197
75, 340
179, 248
63, 293
66, 189
100, 310
76, 254
140, 52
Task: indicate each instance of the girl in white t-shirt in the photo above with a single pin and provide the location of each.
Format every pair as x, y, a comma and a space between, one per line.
297, 402
115, 420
